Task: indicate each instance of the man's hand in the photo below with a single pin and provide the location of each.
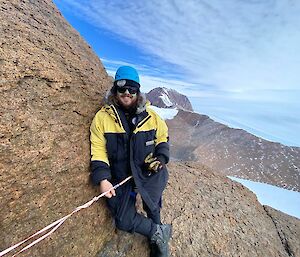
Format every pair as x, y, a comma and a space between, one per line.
105, 185
152, 163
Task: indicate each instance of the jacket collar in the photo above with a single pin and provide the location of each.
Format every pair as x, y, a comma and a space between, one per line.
110, 106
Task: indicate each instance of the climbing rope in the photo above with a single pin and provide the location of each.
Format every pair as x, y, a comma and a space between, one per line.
56, 224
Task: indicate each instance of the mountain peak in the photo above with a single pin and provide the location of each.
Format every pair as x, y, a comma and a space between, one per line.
169, 98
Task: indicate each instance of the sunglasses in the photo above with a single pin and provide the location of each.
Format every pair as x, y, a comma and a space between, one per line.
131, 90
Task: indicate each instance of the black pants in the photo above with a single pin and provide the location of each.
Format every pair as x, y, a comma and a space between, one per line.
128, 219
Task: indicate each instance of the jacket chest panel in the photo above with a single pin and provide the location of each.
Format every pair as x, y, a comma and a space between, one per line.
143, 144
117, 146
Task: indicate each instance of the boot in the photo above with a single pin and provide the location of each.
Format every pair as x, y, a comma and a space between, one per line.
159, 241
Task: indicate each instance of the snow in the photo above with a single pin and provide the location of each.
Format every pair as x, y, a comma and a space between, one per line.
278, 198
166, 114
166, 100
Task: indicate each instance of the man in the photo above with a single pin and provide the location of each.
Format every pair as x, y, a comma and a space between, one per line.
128, 138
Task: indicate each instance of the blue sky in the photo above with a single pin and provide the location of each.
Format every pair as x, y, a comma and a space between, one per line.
215, 52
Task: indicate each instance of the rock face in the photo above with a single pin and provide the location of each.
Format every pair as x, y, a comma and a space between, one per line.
233, 151
169, 98
51, 85
214, 216
288, 229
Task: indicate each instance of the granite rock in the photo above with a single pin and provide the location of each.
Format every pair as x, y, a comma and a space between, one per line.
51, 83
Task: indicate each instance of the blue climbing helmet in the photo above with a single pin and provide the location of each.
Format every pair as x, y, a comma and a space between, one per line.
128, 73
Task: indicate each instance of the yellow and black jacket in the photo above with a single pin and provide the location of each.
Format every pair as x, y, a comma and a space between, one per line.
119, 150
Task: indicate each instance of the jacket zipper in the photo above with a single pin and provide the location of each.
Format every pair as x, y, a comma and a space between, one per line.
117, 117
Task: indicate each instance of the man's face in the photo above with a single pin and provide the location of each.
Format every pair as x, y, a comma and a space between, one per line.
126, 97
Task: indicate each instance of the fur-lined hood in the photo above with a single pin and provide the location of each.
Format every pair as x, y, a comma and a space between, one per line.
142, 101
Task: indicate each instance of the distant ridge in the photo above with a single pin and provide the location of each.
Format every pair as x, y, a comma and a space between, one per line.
235, 152
232, 151
169, 98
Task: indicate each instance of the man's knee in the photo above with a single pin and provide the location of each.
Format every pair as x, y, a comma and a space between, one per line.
125, 224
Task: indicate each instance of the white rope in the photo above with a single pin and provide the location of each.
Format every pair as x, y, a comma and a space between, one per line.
56, 224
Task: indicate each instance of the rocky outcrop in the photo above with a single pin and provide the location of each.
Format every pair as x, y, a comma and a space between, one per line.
169, 98
214, 216
288, 229
233, 152
51, 85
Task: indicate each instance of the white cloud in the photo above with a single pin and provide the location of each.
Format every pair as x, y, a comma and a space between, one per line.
234, 45
112, 65
151, 78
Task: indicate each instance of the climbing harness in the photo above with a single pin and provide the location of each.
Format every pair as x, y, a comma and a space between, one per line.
56, 224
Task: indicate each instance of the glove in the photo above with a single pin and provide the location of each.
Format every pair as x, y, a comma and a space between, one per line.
153, 164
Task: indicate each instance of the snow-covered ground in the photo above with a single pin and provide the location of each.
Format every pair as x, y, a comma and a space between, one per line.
166, 114
165, 98
281, 199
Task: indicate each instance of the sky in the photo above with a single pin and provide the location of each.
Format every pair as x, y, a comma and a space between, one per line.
278, 198
237, 61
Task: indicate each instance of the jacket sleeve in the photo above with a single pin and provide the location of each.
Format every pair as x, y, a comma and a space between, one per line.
162, 141
100, 168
